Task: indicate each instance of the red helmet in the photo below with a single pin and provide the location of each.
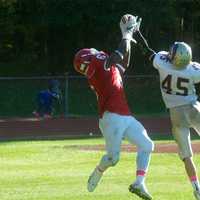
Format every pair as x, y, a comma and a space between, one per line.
82, 60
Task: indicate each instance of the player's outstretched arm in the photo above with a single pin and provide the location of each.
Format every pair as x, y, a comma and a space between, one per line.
121, 56
149, 52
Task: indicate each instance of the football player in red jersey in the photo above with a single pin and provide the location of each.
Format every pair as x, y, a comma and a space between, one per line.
104, 74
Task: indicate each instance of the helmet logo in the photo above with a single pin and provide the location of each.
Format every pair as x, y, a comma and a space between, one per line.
83, 67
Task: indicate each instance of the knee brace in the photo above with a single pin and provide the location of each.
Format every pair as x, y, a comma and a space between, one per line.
109, 160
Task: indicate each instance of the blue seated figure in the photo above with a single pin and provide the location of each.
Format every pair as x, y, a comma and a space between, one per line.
46, 98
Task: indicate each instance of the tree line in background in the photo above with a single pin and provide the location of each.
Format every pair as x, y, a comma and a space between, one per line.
41, 36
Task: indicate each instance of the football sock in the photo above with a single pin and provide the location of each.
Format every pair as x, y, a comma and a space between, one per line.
140, 176
195, 183
142, 160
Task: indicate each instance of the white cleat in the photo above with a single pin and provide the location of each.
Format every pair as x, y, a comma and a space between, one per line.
140, 190
197, 194
94, 179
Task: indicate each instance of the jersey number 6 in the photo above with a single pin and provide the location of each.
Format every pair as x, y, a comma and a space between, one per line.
167, 85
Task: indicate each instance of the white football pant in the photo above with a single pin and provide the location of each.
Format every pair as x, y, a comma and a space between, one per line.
183, 118
115, 128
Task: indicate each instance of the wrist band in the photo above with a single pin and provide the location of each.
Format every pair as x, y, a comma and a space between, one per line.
120, 54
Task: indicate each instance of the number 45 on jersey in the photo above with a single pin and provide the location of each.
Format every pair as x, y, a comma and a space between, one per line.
178, 86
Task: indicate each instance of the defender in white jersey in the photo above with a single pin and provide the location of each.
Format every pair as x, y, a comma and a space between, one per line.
178, 76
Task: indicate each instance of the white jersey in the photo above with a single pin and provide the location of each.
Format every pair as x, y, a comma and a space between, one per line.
177, 86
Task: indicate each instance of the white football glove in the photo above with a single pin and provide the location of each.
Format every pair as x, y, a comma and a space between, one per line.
128, 25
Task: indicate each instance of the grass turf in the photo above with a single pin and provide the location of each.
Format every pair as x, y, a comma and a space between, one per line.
49, 170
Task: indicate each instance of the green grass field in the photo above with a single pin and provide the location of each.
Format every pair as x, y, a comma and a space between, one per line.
52, 170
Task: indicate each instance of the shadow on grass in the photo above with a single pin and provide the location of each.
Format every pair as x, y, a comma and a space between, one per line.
154, 137
158, 136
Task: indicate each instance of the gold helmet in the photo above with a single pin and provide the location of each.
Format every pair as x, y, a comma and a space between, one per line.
180, 54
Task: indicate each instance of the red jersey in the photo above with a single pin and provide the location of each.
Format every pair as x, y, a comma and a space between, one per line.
108, 86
